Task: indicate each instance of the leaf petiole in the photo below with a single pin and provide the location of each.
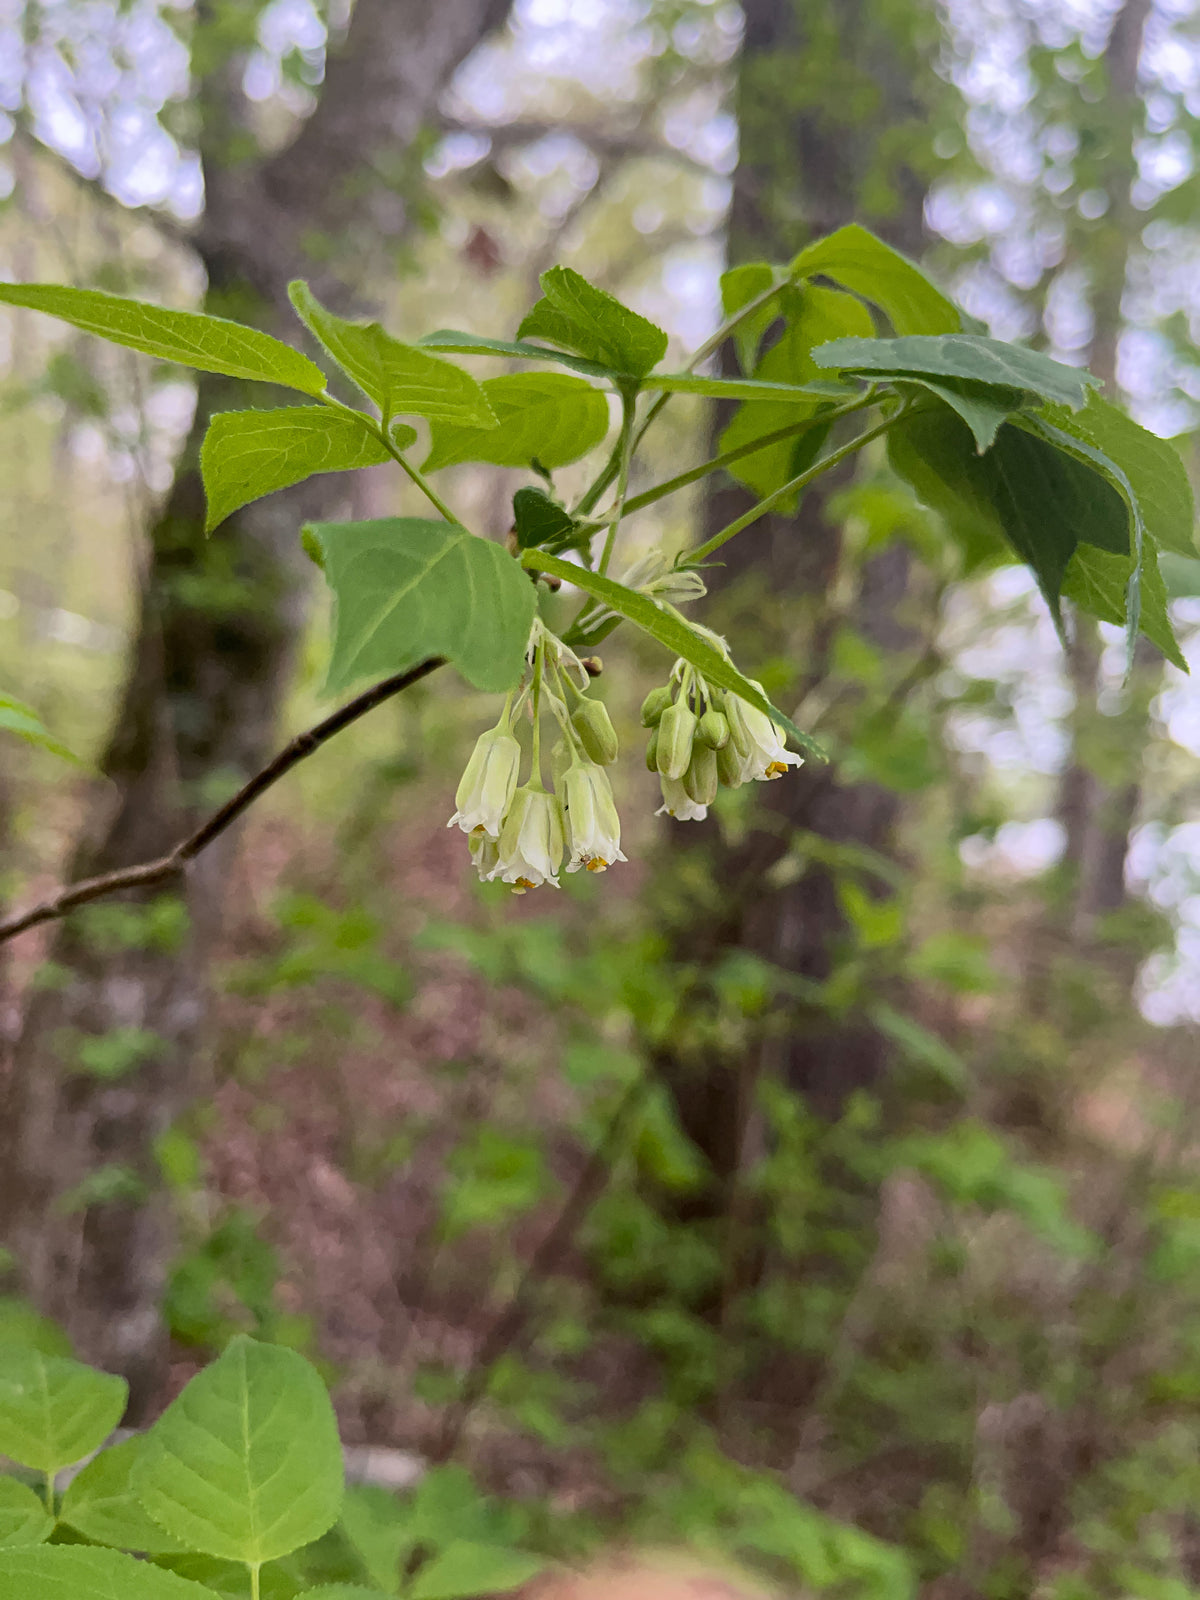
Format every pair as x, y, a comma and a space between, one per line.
380, 430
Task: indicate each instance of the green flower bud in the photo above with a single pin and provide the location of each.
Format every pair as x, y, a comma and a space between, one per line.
700, 779
655, 703
652, 752
713, 730
676, 734
592, 723
729, 765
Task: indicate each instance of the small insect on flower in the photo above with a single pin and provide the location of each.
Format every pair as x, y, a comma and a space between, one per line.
489, 783
530, 850
593, 826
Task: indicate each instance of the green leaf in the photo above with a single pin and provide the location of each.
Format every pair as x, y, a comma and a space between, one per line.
400, 378
984, 407
247, 454
16, 717
1041, 500
785, 394
1098, 581
814, 316
1145, 468
343, 1591
546, 417
378, 1529
740, 285
100, 1504
75, 1572
859, 261
452, 342
407, 589
210, 344
673, 632
463, 1570
20, 1324
231, 1579
246, 1463
1181, 574
592, 322
539, 520
960, 355
24, 1520
54, 1411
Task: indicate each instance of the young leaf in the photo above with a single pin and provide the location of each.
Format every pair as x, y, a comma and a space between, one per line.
542, 416
75, 1572
1041, 500
862, 263
592, 322
210, 344
54, 1411
406, 589
246, 1463
1098, 582
452, 342
401, 379
24, 1520
247, 454
18, 718
673, 632
464, 1570
960, 355
378, 1527
101, 1505
538, 520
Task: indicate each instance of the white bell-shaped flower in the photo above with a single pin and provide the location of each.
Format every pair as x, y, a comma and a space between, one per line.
678, 803
757, 740
531, 841
489, 783
593, 826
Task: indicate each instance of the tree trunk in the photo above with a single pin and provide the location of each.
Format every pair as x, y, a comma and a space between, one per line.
821, 85
109, 1057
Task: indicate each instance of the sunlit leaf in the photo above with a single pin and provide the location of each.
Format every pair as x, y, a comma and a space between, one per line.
54, 1411
543, 416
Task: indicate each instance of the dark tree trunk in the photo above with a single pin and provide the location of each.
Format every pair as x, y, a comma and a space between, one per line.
218, 626
822, 86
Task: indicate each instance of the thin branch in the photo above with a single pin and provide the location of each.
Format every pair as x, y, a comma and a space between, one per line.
176, 862
612, 143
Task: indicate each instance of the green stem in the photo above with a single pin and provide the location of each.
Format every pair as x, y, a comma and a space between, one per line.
539, 663
254, 1567
625, 445
381, 433
801, 481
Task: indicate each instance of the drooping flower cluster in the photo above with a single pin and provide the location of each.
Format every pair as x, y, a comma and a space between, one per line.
521, 833
702, 738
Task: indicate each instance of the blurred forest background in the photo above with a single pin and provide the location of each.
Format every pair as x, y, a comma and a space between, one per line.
822, 1187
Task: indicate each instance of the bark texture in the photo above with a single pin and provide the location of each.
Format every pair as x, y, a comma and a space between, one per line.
219, 621
833, 108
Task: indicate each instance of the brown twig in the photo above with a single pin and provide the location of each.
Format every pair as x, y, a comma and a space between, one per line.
185, 852
508, 1325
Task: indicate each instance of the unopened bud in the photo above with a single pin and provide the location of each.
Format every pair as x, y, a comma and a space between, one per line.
729, 765
655, 703
713, 730
592, 723
676, 734
700, 779
592, 665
